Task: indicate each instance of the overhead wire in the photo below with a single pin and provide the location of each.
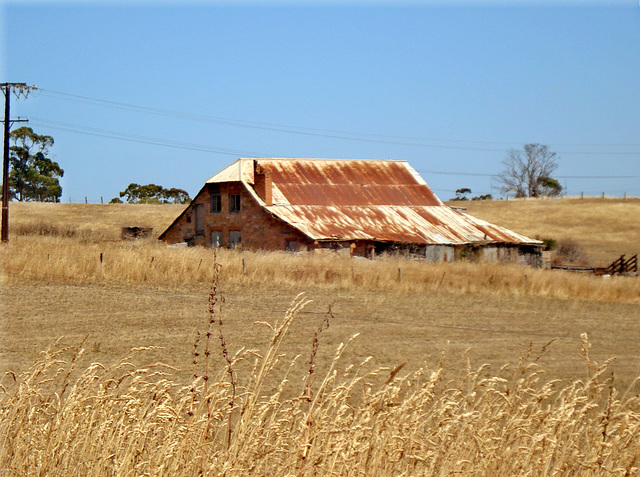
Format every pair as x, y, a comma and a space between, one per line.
326, 133
477, 174
91, 131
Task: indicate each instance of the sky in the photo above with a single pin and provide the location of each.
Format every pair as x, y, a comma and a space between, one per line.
171, 92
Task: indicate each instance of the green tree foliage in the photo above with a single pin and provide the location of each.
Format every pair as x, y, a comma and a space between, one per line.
461, 194
32, 175
483, 197
527, 172
152, 194
549, 186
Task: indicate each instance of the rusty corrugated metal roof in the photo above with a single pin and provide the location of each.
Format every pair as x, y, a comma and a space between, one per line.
363, 200
343, 182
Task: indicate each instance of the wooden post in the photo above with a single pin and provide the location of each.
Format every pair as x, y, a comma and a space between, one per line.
244, 267
399, 274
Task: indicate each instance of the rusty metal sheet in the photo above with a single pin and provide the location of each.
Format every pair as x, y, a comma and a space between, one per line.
344, 182
410, 224
364, 200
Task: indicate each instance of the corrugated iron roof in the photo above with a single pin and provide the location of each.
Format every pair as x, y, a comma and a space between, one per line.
363, 200
343, 182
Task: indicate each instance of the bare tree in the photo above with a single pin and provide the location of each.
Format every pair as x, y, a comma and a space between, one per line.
527, 172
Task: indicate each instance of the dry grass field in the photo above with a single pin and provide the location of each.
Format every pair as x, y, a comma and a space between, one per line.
433, 396
604, 228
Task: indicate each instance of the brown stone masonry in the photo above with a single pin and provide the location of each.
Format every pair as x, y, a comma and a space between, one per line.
251, 227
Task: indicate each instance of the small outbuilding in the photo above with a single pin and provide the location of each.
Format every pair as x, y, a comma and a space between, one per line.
357, 207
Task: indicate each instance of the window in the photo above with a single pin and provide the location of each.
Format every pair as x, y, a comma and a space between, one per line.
234, 202
216, 202
199, 213
216, 238
234, 238
291, 245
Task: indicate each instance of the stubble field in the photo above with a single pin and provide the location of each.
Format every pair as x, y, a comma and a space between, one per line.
66, 274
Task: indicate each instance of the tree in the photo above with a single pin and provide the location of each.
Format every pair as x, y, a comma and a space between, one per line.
527, 172
461, 194
177, 196
483, 197
550, 187
152, 194
32, 175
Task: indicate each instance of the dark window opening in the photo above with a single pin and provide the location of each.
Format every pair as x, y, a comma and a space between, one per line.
216, 238
234, 202
234, 238
291, 245
216, 203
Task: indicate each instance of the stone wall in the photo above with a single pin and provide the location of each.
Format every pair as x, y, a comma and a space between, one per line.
258, 228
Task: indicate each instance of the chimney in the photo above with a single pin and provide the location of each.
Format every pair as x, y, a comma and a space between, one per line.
262, 183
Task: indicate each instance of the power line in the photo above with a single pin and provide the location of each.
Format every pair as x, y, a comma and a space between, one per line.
91, 131
327, 133
598, 177
258, 125
558, 177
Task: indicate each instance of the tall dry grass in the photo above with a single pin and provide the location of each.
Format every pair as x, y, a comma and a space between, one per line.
123, 420
69, 259
602, 228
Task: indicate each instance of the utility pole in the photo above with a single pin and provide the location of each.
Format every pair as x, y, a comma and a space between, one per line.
19, 88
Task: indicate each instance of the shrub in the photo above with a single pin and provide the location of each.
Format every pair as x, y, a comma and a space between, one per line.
569, 251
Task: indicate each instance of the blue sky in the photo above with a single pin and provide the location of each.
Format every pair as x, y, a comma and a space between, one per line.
157, 92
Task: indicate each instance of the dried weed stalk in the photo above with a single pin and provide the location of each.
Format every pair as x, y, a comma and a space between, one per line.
123, 419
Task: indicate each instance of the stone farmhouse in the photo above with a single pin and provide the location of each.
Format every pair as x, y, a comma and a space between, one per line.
357, 207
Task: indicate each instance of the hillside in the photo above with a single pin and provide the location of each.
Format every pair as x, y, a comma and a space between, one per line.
99, 221
603, 228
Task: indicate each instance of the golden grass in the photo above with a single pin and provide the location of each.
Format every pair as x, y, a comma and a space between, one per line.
98, 222
64, 259
604, 228
122, 419
260, 412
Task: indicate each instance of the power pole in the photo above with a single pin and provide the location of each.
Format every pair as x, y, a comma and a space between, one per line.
19, 88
